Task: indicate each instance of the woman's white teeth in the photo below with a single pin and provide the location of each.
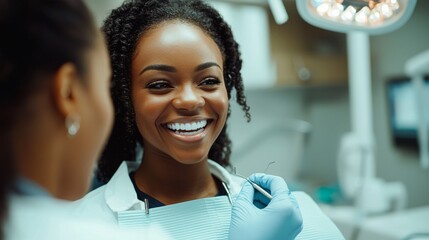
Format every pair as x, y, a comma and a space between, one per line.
193, 126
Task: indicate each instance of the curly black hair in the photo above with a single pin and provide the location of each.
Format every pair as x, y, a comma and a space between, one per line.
123, 29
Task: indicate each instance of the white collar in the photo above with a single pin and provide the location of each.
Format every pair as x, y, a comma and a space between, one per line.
120, 194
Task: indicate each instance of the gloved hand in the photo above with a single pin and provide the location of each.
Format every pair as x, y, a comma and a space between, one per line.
255, 217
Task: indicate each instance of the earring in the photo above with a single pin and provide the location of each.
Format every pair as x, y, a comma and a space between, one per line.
72, 125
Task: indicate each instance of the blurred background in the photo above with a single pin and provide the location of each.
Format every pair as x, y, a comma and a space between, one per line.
297, 85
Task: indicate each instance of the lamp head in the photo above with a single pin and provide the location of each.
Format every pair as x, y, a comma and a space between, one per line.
371, 16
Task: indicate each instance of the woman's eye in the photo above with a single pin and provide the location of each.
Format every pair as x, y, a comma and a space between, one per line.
210, 82
158, 85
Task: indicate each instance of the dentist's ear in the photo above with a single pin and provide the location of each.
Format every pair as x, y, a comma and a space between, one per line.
65, 91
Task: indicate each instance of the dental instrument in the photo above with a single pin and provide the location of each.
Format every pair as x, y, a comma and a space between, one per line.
227, 192
256, 187
146, 206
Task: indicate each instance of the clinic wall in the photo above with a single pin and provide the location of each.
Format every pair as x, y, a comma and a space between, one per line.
326, 109
389, 53
262, 140
102, 8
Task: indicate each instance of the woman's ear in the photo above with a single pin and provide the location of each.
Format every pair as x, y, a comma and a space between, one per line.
64, 89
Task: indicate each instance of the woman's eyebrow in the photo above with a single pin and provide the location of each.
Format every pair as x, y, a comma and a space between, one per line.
206, 65
159, 67
167, 68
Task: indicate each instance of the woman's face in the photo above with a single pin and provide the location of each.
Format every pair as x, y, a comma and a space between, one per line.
96, 117
178, 92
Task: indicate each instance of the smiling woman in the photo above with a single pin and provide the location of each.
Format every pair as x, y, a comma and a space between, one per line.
195, 32
175, 65
173, 73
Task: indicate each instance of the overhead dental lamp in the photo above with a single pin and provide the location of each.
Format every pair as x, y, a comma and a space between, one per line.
370, 16
356, 161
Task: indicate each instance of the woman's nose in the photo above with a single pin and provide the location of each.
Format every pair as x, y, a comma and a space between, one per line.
188, 98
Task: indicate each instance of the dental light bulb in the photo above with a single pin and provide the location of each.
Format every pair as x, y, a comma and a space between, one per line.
373, 17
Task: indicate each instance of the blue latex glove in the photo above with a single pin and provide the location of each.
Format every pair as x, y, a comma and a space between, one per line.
255, 217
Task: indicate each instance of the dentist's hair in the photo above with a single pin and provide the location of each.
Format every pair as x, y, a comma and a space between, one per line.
123, 29
37, 38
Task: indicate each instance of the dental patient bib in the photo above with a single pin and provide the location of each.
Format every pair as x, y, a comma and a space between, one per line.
206, 218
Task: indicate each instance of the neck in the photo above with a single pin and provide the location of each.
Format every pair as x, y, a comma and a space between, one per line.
37, 162
37, 148
170, 181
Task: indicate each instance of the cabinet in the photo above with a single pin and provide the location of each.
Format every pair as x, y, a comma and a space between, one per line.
305, 55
